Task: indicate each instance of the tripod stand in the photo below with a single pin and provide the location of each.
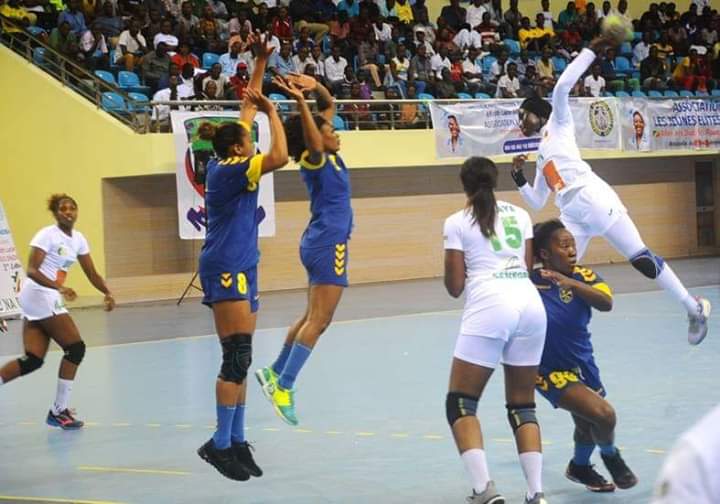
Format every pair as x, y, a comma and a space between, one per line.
190, 285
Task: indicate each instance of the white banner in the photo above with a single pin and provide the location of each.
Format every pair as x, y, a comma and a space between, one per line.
671, 124
11, 271
190, 149
490, 127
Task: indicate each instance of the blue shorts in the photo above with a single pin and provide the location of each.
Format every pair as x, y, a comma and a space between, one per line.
551, 383
238, 286
326, 265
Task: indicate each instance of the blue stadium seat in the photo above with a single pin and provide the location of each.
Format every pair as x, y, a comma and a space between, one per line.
608, 94
715, 92
39, 56
686, 94
622, 66
702, 93
487, 63
425, 96
106, 76
129, 81
209, 59
635, 75
638, 94
626, 49
339, 123
622, 94
513, 46
637, 36
559, 63
464, 96
35, 31
139, 103
482, 96
113, 102
277, 97
668, 94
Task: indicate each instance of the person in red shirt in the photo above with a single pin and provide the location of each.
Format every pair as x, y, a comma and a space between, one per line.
240, 80
282, 26
184, 56
572, 40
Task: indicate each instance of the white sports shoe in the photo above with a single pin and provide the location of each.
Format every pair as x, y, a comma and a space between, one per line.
489, 496
538, 498
698, 323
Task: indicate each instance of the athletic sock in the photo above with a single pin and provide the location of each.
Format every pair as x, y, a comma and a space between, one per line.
296, 360
583, 452
476, 466
531, 463
668, 280
237, 433
608, 450
281, 360
225, 415
62, 397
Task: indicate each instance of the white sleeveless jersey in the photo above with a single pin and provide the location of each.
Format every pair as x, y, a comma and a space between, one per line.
500, 257
61, 252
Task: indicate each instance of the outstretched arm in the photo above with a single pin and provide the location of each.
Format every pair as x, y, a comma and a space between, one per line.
311, 133
262, 51
573, 72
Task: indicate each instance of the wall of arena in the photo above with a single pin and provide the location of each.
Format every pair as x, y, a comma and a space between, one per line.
55, 141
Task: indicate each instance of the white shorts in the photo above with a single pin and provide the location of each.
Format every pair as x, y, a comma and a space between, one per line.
591, 210
685, 478
507, 327
38, 303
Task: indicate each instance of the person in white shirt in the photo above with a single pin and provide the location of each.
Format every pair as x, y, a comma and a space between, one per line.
335, 66
690, 471
53, 250
594, 83
94, 47
176, 90
131, 46
439, 61
488, 252
165, 35
318, 61
421, 40
642, 49
383, 31
545, 4
509, 84
302, 59
475, 11
588, 205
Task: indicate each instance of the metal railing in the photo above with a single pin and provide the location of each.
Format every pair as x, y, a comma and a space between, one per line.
136, 113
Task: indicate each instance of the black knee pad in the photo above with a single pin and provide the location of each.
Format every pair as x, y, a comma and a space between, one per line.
237, 357
458, 405
648, 263
74, 353
521, 414
29, 363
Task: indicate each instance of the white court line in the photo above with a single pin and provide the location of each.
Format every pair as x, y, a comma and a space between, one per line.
340, 322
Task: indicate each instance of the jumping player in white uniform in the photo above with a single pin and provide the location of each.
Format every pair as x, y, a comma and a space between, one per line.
690, 473
53, 250
488, 249
588, 205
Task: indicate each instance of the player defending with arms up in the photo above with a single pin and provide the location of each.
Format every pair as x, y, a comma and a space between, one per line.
588, 205
228, 264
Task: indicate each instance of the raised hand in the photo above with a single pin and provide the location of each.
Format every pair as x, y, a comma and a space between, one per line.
518, 161
304, 82
259, 100
289, 88
558, 278
260, 46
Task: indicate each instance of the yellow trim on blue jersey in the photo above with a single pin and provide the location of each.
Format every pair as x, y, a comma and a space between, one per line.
587, 274
232, 160
308, 165
603, 287
254, 172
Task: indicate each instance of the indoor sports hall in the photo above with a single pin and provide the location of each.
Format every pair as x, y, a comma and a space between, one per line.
372, 398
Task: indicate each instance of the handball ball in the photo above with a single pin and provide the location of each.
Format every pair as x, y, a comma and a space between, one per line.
617, 28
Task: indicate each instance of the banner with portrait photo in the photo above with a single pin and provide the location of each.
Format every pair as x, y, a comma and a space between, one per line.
192, 154
490, 127
689, 124
11, 271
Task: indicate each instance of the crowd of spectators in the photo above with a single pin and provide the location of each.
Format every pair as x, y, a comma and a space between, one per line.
365, 49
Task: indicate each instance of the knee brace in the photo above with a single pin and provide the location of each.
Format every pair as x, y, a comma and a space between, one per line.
237, 357
648, 263
29, 363
74, 353
521, 414
458, 405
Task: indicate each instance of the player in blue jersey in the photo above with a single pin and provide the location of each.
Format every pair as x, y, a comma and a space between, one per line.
228, 263
568, 376
313, 143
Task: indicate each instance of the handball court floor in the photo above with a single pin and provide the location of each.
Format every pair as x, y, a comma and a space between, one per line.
370, 402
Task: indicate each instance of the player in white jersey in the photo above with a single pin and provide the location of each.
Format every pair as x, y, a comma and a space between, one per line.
52, 251
488, 250
690, 473
588, 205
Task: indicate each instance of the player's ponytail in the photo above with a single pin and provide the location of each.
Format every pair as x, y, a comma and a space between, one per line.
479, 179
